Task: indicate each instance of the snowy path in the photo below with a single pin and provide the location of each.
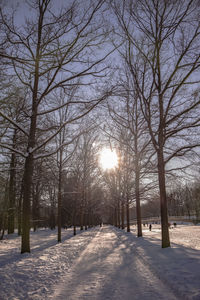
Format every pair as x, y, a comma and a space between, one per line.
102, 264
103, 272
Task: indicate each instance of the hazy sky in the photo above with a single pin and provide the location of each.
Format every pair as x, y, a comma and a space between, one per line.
23, 9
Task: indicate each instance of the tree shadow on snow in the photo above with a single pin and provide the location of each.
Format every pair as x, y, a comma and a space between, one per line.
178, 267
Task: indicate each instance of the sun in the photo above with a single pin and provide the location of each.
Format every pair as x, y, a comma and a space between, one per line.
108, 159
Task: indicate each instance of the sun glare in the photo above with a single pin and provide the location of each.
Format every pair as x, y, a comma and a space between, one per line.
108, 159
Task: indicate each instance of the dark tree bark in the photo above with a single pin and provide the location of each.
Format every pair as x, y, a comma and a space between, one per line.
127, 215
4, 213
118, 213
137, 196
19, 212
74, 222
36, 205
81, 217
59, 216
86, 221
163, 201
12, 193
25, 245
122, 214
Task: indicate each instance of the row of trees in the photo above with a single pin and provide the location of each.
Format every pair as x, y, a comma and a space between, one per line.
185, 201
76, 183
51, 54
56, 71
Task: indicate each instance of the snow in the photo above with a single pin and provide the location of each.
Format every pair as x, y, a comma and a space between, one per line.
102, 263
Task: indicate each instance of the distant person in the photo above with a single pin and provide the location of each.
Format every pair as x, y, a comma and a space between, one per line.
174, 225
150, 226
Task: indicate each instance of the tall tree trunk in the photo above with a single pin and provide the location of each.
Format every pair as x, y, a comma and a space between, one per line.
85, 221
28, 174
35, 207
122, 214
59, 197
163, 201
127, 214
2, 225
52, 220
161, 168
4, 214
11, 208
81, 218
137, 194
118, 213
28, 170
19, 213
74, 222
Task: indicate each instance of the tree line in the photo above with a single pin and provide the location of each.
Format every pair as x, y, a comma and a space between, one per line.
72, 79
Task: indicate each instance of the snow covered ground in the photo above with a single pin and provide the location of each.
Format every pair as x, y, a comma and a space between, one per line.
186, 235
102, 263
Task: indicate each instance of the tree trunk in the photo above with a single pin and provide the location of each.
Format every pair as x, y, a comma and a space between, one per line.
28, 173
85, 221
86, 227
59, 199
137, 194
122, 215
35, 207
74, 222
28, 176
28, 170
19, 217
2, 227
81, 218
52, 219
74, 229
127, 214
4, 214
163, 201
118, 214
11, 209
